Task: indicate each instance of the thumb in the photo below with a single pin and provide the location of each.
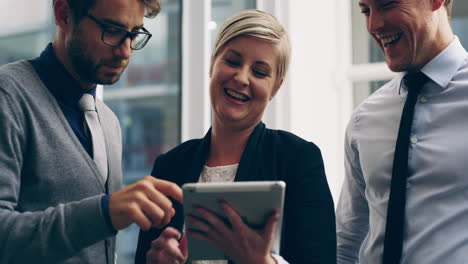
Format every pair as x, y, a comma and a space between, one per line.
270, 226
183, 246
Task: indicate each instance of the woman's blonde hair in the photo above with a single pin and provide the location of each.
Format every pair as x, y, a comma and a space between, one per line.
255, 23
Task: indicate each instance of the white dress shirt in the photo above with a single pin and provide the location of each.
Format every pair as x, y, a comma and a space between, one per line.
436, 221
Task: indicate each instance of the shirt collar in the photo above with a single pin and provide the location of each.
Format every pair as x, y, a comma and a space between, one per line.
444, 66
57, 79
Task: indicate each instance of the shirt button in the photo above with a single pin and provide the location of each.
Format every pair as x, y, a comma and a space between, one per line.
423, 100
414, 140
408, 185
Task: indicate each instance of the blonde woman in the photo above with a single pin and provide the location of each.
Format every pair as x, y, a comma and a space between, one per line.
248, 66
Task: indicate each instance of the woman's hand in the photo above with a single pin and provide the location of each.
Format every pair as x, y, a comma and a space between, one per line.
241, 243
166, 248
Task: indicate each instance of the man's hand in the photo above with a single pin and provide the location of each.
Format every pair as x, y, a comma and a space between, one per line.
144, 203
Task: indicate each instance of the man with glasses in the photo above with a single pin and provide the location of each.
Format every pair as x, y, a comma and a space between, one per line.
60, 154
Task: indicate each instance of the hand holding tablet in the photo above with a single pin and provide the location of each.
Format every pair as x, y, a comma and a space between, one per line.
240, 221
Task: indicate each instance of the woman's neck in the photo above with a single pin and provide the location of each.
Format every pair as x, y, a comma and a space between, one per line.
227, 145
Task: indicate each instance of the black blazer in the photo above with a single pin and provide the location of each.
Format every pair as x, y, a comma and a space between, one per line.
308, 233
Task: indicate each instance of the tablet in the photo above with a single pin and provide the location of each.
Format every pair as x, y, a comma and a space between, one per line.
254, 201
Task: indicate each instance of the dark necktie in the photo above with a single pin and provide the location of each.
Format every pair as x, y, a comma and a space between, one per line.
393, 243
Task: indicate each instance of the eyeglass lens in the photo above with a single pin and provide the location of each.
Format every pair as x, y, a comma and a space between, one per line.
115, 36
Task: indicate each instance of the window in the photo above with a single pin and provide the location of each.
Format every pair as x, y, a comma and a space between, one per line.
222, 9
30, 28
146, 101
460, 21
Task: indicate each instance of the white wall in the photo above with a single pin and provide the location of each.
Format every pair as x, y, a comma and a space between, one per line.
320, 100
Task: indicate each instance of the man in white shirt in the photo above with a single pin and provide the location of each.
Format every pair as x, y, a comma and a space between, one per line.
415, 36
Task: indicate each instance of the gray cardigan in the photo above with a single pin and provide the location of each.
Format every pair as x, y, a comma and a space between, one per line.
50, 188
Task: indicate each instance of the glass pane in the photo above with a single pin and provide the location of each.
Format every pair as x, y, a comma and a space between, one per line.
158, 61
28, 26
460, 21
366, 51
150, 126
24, 45
460, 28
362, 90
147, 102
222, 9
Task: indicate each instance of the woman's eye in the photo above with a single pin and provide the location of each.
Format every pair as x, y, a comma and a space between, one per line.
260, 73
232, 62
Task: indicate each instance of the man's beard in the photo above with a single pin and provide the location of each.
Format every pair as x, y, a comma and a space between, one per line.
86, 69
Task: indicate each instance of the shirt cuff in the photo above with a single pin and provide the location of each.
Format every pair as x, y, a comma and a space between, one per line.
106, 213
279, 259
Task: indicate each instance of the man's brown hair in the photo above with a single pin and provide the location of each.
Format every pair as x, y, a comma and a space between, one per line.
80, 8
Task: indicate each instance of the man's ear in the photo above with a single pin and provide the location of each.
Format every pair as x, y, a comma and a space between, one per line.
276, 88
63, 15
436, 4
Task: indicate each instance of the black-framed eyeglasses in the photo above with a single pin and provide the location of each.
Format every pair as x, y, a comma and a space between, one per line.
114, 36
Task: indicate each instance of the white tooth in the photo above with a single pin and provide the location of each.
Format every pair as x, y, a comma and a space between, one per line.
386, 40
236, 95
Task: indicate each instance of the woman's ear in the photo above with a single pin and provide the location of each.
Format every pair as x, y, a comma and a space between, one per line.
62, 14
276, 88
